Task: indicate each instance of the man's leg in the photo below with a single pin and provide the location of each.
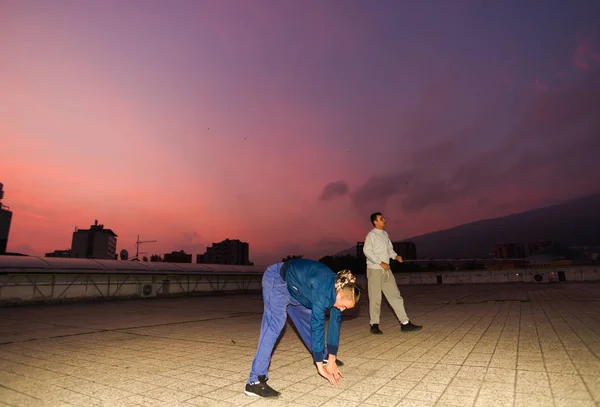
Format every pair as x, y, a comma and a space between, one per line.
374, 281
276, 300
300, 316
392, 294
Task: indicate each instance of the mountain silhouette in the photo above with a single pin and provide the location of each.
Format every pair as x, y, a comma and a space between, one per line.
572, 223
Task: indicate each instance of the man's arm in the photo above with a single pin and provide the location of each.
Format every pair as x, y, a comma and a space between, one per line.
317, 328
333, 331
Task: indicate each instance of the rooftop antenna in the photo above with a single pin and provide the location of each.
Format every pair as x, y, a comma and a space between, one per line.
137, 247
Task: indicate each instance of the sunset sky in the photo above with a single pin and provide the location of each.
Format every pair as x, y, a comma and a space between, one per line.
286, 123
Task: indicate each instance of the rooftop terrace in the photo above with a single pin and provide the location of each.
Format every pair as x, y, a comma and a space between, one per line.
482, 345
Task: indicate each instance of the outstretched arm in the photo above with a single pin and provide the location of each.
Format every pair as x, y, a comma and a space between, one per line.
317, 326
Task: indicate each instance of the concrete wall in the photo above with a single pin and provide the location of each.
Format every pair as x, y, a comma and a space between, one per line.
57, 286
18, 288
541, 276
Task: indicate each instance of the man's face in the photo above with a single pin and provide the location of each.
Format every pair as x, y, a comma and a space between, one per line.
343, 303
380, 222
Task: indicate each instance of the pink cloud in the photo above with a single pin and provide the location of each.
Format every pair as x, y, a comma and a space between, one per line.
586, 55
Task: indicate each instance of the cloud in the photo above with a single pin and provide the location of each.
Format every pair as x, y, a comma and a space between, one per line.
23, 249
333, 190
586, 55
553, 113
551, 151
189, 244
188, 237
429, 192
484, 202
374, 194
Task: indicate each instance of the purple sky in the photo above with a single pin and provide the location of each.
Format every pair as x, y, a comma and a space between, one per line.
286, 123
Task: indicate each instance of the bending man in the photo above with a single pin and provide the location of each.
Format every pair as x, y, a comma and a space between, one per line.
303, 289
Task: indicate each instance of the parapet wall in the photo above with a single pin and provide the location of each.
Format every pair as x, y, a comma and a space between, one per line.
529, 275
17, 288
25, 281
34, 279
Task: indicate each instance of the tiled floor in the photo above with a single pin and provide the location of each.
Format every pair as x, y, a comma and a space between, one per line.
482, 345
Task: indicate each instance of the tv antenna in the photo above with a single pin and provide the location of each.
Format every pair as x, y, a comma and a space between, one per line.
137, 247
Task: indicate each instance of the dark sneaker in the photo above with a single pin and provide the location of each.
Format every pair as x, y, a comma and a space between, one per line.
337, 362
410, 327
375, 329
261, 389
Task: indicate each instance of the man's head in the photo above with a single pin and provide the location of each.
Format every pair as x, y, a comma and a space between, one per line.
378, 220
347, 297
347, 292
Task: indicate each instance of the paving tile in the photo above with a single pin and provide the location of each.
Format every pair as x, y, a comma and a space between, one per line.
533, 400
421, 395
483, 352
562, 402
415, 403
494, 374
381, 400
456, 400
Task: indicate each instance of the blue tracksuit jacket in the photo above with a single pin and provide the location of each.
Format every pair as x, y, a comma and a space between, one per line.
313, 285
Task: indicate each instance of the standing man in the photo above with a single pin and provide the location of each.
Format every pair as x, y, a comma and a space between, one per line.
303, 289
378, 250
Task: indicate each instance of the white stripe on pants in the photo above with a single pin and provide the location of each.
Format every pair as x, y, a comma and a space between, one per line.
384, 281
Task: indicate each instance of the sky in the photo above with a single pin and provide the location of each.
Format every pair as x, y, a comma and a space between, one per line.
285, 124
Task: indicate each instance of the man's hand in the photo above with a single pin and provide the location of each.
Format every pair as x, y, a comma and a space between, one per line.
384, 265
325, 373
399, 258
333, 368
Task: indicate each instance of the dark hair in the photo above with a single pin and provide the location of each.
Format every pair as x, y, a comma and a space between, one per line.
374, 217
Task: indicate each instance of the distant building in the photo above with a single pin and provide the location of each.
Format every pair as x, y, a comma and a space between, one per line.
94, 243
178, 257
59, 253
509, 251
226, 252
522, 250
539, 247
590, 252
406, 249
5, 219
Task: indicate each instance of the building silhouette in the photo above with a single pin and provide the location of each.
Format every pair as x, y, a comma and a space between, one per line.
406, 249
94, 243
229, 251
177, 257
59, 253
522, 250
510, 251
5, 219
